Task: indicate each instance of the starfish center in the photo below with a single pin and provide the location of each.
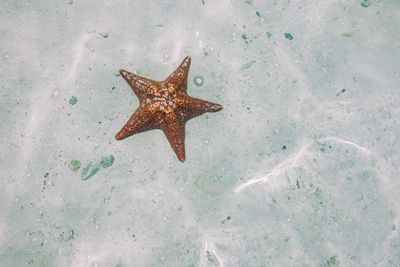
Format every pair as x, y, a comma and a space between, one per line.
165, 98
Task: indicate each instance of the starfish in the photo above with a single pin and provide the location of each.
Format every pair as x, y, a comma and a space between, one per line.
164, 105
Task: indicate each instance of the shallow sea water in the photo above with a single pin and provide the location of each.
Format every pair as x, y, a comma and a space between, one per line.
300, 168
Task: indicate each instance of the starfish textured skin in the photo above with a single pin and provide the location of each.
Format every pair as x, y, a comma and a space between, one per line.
164, 105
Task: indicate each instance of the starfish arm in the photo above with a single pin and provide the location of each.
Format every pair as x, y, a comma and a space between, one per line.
180, 75
142, 86
195, 107
174, 130
141, 120
190, 107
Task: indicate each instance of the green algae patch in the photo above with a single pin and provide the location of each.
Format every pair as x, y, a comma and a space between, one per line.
106, 161
204, 185
89, 170
347, 34
73, 100
74, 165
332, 261
67, 235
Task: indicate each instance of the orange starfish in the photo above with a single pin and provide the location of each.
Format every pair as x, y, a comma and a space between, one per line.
164, 105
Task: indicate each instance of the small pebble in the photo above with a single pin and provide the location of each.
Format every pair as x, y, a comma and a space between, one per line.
365, 3
341, 92
288, 36
104, 34
73, 100
198, 80
244, 37
74, 165
166, 56
5, 57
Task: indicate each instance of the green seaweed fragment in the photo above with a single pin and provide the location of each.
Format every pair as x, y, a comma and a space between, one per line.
211, 257
89, 170
247, 65
106, 161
